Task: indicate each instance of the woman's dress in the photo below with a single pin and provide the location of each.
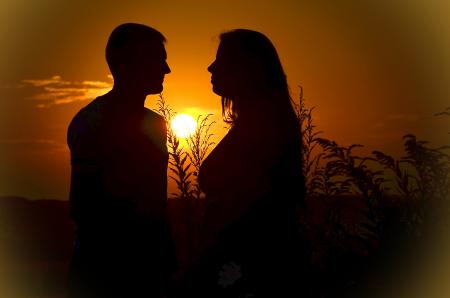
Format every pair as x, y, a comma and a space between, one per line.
253, 183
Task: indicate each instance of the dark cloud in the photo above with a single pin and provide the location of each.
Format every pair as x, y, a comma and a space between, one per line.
56, 91
15, 146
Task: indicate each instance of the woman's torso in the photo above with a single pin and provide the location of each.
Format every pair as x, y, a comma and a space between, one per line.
252, 176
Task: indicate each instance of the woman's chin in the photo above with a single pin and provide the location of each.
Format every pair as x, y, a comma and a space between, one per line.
218, 91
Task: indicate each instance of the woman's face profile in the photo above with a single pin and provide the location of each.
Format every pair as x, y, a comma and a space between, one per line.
234, 73
226, 73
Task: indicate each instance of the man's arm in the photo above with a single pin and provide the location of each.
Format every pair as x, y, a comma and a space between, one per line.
85, 184
154, 163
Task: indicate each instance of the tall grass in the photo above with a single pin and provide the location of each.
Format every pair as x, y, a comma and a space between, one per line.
330, 169
412, 188
310, 157
184, 169
336, 177
199, 145
185, 163
178, 157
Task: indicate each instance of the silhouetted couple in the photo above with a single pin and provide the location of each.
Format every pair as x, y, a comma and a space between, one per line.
252, 179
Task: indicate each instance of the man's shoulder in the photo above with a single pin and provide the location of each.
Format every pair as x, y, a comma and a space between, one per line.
153, 119
89, 114
86, 121
154, 125
152, 115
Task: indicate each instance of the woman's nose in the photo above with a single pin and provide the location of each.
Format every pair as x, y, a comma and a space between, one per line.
211, 67
167, 68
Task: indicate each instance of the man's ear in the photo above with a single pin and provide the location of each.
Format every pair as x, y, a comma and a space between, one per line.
123, 69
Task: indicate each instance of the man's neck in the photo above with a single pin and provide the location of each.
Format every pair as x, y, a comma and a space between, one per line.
127, 97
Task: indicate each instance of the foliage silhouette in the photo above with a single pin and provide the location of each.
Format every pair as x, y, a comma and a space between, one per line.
177, 155
386, 198
184, 166
199, 144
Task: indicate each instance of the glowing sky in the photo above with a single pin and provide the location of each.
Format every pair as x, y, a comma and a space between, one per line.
373, 71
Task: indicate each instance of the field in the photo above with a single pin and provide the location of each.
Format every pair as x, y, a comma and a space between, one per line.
369, 224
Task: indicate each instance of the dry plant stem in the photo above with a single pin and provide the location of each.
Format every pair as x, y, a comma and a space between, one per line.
177, 156
199, 144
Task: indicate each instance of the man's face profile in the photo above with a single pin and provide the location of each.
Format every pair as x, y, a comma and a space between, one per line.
146, 67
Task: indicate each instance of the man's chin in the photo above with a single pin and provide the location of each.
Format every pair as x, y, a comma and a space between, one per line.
155, 89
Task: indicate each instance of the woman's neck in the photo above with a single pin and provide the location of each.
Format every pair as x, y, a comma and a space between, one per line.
258, 107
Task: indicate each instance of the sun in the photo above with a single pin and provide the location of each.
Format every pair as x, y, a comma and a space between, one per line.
183, 125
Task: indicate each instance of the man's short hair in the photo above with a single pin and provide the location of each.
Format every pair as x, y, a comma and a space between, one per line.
125, 39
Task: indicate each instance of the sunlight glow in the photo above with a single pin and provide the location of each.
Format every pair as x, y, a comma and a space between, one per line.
183, 125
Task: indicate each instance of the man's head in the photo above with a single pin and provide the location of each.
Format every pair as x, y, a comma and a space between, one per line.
137, 58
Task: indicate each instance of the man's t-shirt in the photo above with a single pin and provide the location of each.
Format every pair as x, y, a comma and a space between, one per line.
118, 197
119, 162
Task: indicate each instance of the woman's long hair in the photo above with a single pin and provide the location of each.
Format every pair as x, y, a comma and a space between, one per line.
273, 97
249, 44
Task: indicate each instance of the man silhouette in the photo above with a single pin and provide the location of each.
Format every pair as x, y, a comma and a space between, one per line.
118, 195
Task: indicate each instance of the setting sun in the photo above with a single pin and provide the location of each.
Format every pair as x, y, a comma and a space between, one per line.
183, 125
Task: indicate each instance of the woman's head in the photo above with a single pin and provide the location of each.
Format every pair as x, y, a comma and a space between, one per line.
247, 73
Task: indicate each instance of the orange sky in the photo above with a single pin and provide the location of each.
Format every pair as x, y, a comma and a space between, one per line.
374, 72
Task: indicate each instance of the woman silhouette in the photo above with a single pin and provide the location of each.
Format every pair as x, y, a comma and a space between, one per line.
252, 179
